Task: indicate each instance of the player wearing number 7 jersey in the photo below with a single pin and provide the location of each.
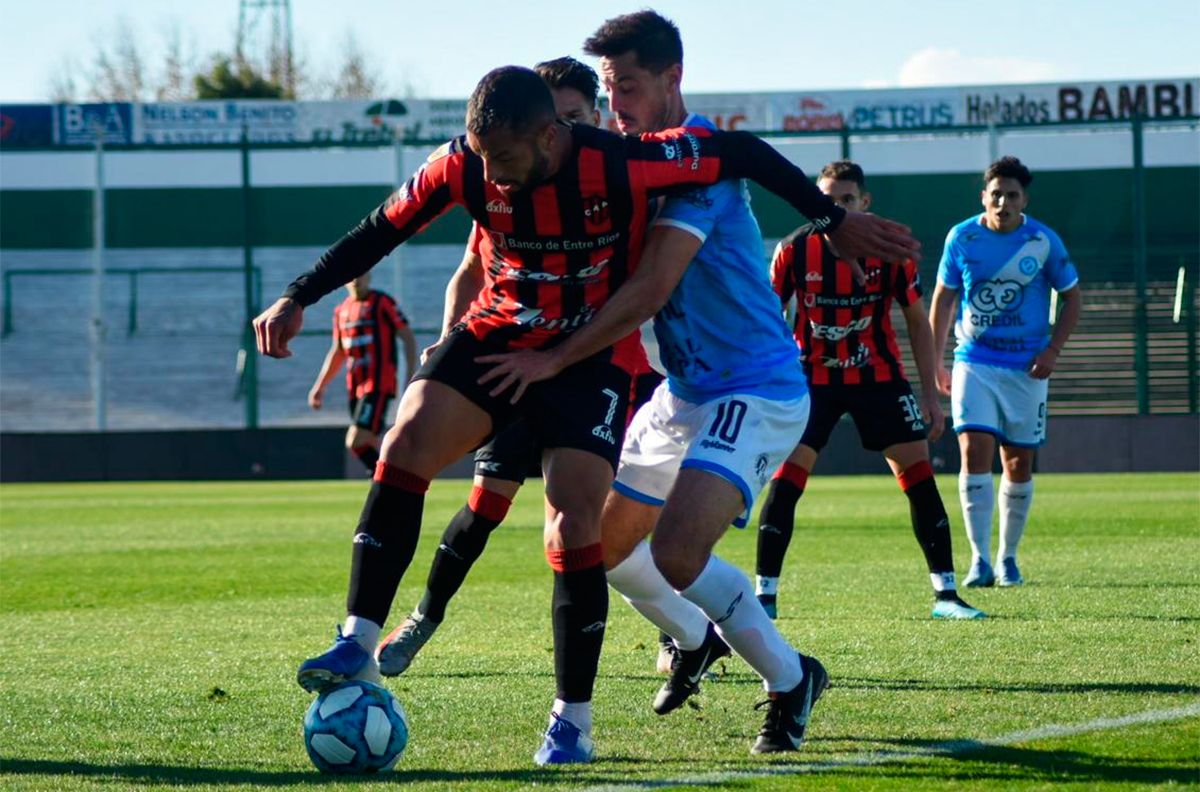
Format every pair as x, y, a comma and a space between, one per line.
853, 365
733, 406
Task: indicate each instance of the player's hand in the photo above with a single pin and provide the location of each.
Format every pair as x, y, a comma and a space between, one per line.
1043, 364
521, 369
277, 325
943, 379
935, 417
315, 397
860, 277
862, 234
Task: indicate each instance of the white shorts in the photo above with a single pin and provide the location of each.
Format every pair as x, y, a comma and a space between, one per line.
1007, 403
740, 438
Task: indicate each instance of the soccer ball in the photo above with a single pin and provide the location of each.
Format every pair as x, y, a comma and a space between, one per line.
355, 727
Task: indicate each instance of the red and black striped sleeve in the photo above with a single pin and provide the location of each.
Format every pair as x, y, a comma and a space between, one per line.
430, 192
694, 156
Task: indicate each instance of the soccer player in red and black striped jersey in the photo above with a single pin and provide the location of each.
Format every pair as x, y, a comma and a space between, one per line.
564, 208
849, 352
501, 465
366, 326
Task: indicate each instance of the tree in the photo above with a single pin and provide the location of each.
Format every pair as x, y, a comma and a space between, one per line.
119, 75
354, 78
175, 84
231, 79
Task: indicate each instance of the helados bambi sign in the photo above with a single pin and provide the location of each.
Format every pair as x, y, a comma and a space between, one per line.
831, 111
390, 120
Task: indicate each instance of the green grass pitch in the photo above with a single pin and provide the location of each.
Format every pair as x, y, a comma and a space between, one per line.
149, 636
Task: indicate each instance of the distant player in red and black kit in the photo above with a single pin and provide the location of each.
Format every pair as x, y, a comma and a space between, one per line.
564, 208
850, 356
365, 327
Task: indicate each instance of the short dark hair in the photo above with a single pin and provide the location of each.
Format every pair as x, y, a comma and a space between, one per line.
652, 37
512, 97
1008, 168
844, 170
566, 72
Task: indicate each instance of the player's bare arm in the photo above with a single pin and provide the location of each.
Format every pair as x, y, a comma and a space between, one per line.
941, 316
334, 359
667, 253
277, 325
409, 339
1072, 305
920, 340
465, 284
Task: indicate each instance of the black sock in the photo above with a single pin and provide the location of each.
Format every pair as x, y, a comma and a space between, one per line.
664, 639
368, 455
775, 525
931, 525
462, 544
384, 542
578, 613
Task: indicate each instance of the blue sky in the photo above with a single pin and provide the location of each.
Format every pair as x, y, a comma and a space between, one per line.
440, 49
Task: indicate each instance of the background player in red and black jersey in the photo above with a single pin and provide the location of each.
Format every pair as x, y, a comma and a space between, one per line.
502, 465
848, 348
366, 326
564, 207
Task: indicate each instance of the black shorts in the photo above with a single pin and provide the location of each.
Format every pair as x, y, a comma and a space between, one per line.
584, 407
370, 411
885, 413
513, 454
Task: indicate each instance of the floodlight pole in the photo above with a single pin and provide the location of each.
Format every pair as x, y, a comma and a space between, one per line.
99, 396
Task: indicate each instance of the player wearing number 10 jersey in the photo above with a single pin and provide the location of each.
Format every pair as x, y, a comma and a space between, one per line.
564, 209
849, 352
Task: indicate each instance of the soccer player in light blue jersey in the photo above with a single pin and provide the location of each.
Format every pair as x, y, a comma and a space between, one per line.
995, 278
734, 404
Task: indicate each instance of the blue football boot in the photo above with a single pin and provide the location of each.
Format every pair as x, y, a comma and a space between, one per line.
770, 605
1010, 575
346, 659
956, 609
981, 574
564, 744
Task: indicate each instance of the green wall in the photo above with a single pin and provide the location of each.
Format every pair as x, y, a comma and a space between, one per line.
1091, 210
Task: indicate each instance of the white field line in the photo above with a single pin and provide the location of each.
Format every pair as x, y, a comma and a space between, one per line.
872, 758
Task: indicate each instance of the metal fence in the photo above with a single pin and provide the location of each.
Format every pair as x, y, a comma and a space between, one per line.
131, 339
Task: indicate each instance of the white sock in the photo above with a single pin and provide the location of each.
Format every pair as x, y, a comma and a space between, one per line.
766, 585
364, 631
578, 713
942, 581
1015, 499
725, 596
638, 580
978, 500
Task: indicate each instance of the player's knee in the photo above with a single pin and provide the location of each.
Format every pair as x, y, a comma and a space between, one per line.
676, 559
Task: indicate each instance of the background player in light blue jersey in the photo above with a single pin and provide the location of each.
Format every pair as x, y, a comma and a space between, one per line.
997, 270
734, 405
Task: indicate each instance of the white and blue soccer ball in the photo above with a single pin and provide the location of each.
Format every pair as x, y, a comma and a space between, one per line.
355, 727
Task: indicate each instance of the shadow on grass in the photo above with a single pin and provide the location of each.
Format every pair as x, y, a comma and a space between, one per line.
1006, 765
869, 683
196, 776
929, 764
